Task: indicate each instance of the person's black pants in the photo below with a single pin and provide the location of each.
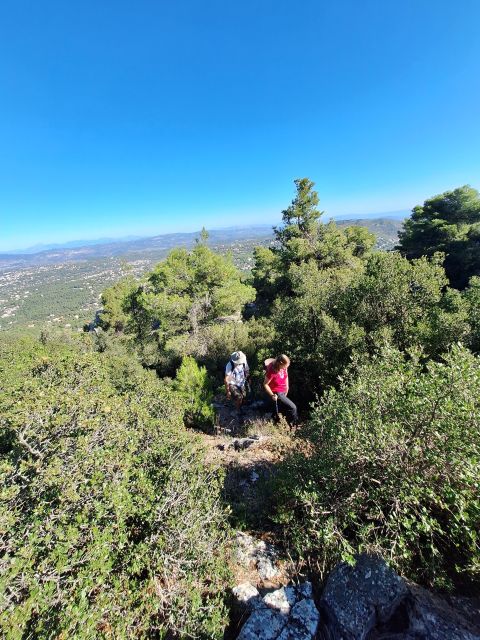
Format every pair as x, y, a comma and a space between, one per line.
285, 407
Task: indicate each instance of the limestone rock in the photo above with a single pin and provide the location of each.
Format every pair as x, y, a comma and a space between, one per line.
258, 554
281, 599
246, 597
263, 624
288, 613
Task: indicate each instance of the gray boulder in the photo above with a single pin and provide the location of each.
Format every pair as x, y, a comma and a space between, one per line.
369, 600
357, 598
246, 594
430, 616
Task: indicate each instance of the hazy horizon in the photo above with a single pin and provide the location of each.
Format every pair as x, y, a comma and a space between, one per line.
78, 243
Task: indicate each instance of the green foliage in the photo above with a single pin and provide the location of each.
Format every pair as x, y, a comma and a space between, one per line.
309, 326
297, 237
114, 315
110, 524
186, 292
340, 311
303, 238
450, 223
360, 240
266, 274
393, 467
194, 386
472, 298
409, 300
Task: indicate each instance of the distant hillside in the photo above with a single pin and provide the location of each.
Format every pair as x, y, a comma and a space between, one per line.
73, 244
156, 247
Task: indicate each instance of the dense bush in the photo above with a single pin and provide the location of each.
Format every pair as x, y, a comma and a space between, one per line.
392, 465
450, 223
110, 524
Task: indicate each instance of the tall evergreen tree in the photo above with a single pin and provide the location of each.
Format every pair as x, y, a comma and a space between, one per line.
298, 235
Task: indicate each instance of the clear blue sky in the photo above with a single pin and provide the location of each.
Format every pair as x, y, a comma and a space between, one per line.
152, 116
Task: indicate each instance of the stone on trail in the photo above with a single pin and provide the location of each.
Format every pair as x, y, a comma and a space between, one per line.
358, 597
257, 553
288, 613
263, 624
239, 444
246, 596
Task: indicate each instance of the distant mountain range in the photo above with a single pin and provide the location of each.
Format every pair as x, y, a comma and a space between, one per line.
351, 217
386, 228
72, 244
77, 244
133, 249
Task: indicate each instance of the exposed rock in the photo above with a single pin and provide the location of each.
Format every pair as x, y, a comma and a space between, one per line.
266, 567
281, 599
246, 598
370, 600
288, 613
358, 597
431, 617
243, 443
468, 608
263, 624
303, 623
257, 554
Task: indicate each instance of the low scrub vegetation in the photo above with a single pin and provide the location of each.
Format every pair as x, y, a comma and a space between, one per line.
110, 524
393, 468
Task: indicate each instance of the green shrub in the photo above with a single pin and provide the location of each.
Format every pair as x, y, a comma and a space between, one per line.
110, 525
392, 466
194, 386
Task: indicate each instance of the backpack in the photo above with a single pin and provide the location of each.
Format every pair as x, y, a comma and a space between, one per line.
234, 365
247, 383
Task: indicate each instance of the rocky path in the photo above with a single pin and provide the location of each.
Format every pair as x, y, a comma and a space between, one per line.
270, 599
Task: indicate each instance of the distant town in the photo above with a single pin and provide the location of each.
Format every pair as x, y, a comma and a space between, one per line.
61, 289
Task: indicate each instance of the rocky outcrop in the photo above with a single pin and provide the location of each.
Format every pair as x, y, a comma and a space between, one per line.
430, 616
359, 597
368, 600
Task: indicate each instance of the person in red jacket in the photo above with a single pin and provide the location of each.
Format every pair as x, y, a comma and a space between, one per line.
277, 386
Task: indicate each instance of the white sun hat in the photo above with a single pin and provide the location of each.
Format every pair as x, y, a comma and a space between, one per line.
238, 357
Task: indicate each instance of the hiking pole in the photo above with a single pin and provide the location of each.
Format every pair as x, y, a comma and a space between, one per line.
276, 408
